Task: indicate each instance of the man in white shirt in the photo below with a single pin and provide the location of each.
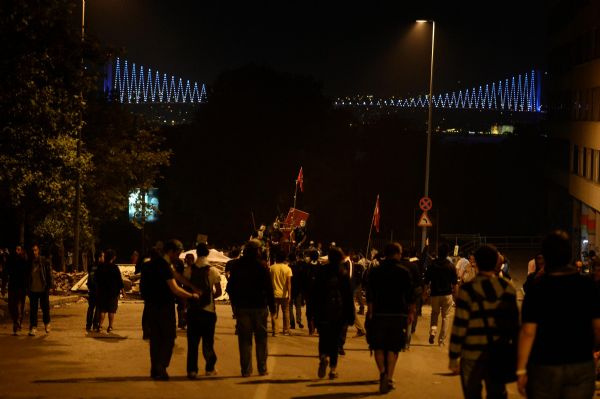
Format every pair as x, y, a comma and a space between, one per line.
281, 277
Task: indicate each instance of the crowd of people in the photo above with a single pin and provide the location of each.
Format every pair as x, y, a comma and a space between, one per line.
550, 346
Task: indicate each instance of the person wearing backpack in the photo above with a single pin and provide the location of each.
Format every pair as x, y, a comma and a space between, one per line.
331, 308
201, 313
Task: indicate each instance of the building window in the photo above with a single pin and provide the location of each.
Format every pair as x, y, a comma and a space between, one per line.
596, 102
595, 165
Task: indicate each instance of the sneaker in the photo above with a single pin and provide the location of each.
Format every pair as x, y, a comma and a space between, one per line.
32, 331
300, 325
323, 363
384, 384
333, 375
161, 377
391, 385
47, 326
192, 375
211, 373
109, 329
263, 373
431, 338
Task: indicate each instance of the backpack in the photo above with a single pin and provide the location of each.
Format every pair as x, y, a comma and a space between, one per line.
199, 279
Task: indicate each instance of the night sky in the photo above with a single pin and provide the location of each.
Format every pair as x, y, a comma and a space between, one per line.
350, 47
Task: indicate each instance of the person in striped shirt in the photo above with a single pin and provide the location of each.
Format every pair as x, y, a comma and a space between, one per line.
486, 308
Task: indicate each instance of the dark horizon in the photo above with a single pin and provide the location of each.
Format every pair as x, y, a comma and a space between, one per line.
349, 48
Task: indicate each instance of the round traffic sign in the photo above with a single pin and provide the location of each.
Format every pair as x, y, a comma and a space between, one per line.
425, 204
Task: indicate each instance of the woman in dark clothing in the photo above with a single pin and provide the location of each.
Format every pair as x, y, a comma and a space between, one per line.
331, 307
109, 284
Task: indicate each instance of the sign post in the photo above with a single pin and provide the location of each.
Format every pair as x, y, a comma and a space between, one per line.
425, 204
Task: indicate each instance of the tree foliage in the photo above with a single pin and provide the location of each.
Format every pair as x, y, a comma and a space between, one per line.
42, 91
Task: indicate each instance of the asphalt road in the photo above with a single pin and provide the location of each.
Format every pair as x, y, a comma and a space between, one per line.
68, 363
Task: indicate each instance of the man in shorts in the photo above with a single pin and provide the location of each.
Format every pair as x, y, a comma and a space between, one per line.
391, 309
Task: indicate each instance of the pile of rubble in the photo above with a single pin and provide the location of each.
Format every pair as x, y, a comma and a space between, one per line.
63, 282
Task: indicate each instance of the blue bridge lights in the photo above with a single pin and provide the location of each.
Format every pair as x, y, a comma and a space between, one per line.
519, 93
134, 85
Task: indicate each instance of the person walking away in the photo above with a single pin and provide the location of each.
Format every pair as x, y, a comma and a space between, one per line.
92, 318
159, 289
331, 308
281, 278
182, 268
412, 265
15, 277
391, 297
560, 330
298, 267
309, 277
234, 254
40, 282
441, 278
201, 314
533, 277
109, 285
251, 293
486, 311
348, 268
357, 284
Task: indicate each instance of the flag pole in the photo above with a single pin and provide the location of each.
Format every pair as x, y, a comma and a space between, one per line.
295, 194
370, 232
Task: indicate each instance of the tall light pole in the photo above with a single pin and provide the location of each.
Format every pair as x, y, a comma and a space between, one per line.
77, 217
428, 154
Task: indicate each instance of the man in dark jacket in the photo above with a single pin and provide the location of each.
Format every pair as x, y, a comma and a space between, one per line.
39, 274
391, 307
15, 274
251, 293
442, 278
158, 288
93, 314
331, 307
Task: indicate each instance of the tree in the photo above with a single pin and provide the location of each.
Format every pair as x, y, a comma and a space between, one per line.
127, 155
41, 106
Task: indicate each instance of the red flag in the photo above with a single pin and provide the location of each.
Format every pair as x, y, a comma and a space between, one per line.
376, 214
300, 180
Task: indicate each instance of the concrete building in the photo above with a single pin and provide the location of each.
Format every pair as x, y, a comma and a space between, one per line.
573, 94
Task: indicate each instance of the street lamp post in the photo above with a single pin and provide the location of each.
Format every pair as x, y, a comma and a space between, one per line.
77, 217
428, 154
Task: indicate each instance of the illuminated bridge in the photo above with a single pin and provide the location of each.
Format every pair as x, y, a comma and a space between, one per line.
519, 93
130, 84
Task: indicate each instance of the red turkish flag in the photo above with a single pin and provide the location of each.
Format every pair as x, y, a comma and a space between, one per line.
300, 180
376, 214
